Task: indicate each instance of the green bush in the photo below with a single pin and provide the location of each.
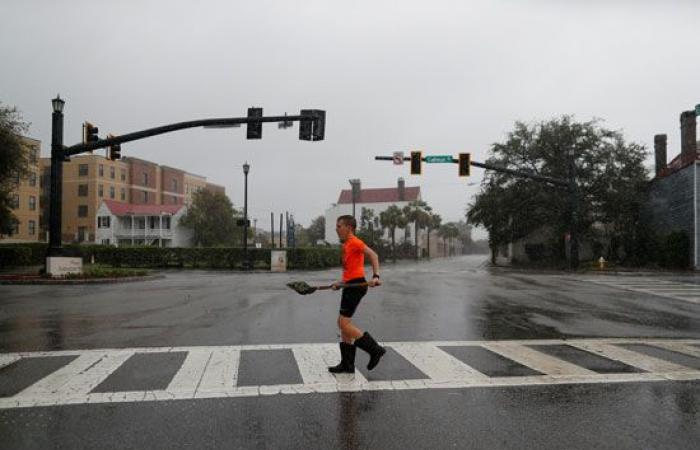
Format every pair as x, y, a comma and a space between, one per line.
12, 256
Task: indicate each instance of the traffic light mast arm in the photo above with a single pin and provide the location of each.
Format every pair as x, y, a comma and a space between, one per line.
103, 143
517, 173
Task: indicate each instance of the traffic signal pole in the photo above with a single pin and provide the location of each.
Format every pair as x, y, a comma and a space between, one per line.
313, 129
570, 185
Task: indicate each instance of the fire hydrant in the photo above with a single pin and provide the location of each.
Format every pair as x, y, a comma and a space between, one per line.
601, 263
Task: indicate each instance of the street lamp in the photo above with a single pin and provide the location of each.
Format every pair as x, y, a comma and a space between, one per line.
56, 176
246, 169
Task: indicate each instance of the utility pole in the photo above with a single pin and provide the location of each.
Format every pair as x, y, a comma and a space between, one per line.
281, 226
272, 230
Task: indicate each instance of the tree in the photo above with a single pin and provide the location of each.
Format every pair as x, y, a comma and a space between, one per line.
417, 212
609, 174
212, 218
447, 232
392, 218
317, 230
14, 162
434, 223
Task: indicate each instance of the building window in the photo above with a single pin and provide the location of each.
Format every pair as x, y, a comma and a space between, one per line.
32, 228
82, 190
103, 222
123, 174
111, 192
166, 222
100, 191
15, 228
105, 241
32, 179
187, 188
82, 232
83, 170
153, 222
102, 170
140, 223
111, 172
17, 179
145, 196
82, 210
174, 185
33, 156
15, 201
123, 194
32, 203
145, 179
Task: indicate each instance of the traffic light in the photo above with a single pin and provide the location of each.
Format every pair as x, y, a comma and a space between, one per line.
464, 164
416, 160
115, 150
254, 128
90, 133
313, 128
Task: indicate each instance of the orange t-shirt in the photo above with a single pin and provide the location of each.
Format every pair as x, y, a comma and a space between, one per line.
353, 258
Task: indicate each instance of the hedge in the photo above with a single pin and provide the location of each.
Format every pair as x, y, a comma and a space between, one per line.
176, 257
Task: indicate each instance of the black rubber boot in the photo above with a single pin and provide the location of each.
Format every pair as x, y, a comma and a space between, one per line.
347, 359
368, 344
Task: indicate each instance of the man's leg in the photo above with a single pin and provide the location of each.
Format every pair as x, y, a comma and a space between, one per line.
348, 331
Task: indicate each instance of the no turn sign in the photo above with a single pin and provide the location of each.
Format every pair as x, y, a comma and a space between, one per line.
398, 158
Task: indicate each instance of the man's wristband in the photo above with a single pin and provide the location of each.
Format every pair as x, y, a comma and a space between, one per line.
375, 276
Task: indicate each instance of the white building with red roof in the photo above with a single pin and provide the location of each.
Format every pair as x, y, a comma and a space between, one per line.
121, 223
376, 199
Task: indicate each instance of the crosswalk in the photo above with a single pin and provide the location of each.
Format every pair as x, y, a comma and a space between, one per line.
669, 288
34, 379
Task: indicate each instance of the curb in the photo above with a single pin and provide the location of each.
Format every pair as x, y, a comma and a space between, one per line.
48, 281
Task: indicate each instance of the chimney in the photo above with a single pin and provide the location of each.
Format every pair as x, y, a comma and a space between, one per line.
688, 135
660, 152
402, 190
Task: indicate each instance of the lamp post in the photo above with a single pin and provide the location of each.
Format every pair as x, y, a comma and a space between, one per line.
246, 169
56, 176
573, 205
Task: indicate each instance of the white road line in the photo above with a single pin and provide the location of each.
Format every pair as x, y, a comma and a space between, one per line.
662, 288
539, 361
211, 372
436, 363
188, 377
53, 384
680, 348
221, 371
631, 358
6, 360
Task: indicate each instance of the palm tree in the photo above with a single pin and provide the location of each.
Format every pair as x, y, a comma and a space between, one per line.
392, 218
448, 231
416, 212
434, 223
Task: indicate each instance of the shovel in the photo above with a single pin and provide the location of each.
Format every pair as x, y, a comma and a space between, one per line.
303, 288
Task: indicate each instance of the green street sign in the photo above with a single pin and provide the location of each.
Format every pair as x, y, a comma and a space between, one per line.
697, 109
438, 159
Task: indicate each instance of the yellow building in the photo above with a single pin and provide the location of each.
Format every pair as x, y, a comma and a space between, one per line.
26, 198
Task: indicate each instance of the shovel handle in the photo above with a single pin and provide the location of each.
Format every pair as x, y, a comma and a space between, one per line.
344, 285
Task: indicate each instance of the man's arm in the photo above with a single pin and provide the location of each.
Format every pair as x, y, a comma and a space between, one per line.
374, 260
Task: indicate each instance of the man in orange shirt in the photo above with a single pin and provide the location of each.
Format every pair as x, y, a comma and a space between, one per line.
354, 252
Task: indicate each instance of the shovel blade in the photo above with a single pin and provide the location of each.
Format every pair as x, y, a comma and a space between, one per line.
301, 287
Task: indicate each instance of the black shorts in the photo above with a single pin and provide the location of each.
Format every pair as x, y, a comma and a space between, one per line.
351, 297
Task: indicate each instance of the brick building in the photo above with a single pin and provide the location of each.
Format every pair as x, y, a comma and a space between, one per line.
674, 192
26, 197
89, 179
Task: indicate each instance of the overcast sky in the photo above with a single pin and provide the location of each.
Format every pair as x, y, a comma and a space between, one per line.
440, 76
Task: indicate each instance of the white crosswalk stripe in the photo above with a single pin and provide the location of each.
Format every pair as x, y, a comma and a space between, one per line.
212, 372
689, 292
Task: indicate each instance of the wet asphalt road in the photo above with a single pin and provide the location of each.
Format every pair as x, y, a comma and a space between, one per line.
457, 299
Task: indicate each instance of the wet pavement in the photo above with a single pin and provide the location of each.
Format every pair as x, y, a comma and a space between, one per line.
458, 299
